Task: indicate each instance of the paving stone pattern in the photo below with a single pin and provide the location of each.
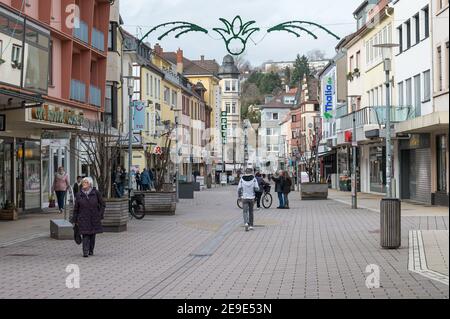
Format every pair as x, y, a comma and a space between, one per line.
318, 249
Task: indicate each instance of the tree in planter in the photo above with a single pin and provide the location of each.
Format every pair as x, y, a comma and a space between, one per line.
310, 147
162, 161
99, 147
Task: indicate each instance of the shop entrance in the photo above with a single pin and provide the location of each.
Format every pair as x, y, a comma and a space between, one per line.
6, 172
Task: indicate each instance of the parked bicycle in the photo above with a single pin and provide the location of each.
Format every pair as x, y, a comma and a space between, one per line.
136, 206
266, 199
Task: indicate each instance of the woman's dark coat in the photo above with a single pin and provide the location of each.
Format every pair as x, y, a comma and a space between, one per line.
287, 186
88, 212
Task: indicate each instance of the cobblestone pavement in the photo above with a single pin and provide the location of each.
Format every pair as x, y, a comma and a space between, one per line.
318, 249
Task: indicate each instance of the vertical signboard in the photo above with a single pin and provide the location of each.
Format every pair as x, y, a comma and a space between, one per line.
224, 126
138, 116
329, 92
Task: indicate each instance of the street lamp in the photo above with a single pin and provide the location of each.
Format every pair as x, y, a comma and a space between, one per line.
390, 207
130, 83
355, 160
387, 58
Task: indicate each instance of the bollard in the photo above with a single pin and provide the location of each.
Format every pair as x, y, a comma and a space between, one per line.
391, 230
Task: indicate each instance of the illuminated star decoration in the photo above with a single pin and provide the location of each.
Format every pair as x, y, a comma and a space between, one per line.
237, 33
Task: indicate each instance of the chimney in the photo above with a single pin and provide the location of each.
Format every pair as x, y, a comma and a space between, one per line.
180, 67
202, 57
158, 49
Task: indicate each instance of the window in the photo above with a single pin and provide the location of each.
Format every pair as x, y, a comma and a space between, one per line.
112, 37
233, 108
426, 17
174, 98
110, 115
147, 84
50, 65
447, 65
427, 86
233, 86
275, 116
417, 27
440, 71
16, 56
400, 38
150, 87
351, 63
227, 86
228, 107
409, 101
401, 95
417, 95
166, 95
358, 59
294, 118
408, 34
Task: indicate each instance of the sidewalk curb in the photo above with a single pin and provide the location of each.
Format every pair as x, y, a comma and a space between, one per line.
23, 239
359, 207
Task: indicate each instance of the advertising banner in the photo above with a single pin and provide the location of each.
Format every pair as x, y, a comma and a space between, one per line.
138, 116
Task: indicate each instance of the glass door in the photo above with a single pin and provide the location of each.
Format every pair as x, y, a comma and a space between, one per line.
20, 153
5, 172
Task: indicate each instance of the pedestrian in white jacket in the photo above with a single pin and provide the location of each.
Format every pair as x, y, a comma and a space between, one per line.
248, 186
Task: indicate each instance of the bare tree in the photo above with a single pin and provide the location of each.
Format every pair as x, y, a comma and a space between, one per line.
242, 63
98, 148
308, 147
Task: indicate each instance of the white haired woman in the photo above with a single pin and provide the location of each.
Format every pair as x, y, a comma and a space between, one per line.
88, 214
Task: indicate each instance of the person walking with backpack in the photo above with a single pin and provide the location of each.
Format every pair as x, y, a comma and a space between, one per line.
88, 214
248, 186
279, 188
287, 189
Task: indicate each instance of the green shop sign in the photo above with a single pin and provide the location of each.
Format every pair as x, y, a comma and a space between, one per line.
57, 115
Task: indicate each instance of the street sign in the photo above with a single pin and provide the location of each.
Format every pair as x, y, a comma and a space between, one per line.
157, 150
224, 126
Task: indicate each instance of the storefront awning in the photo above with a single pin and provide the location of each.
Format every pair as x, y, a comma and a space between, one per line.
12, 100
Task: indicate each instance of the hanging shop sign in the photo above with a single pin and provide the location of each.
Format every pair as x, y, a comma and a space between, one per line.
235, 34
224, 126
329, 98
57, 115
139, 115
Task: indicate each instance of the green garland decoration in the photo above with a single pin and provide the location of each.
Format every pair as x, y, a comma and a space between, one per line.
236, 33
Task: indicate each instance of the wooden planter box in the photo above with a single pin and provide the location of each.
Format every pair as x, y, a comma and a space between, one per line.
160, 203
313, 191
116, 215
9, 214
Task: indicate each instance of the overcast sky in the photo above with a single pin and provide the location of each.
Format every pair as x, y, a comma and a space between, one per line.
140, 15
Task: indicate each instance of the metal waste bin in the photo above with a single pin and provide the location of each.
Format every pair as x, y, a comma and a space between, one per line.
391, 227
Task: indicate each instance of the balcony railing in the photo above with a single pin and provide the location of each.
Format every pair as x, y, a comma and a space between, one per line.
78, 91
98, 39
95, 96
82, 32
376, 115
341, 111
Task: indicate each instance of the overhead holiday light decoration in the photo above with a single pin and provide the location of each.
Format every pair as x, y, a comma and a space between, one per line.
238, 33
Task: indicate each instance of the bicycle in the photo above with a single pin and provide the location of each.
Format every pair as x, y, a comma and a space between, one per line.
266, 198
136, 206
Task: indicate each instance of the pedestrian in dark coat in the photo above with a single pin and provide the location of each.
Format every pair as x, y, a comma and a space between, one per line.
145, 180
287, 187
279, 188
88, 214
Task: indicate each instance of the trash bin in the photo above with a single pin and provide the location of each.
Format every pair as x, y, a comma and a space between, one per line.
391, 229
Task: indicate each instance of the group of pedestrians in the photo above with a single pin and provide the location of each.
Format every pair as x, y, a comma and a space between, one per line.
283, 186
251, 188
145, 180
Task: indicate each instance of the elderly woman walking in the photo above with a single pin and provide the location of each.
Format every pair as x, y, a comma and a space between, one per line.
88, 214
60, 185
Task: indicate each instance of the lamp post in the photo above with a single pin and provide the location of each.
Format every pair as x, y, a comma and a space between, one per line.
256, 127
130, 83
355, 160
387, 57
390, 207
